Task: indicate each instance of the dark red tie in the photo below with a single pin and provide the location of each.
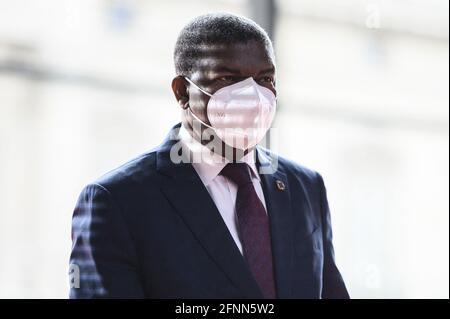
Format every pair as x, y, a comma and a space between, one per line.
253, 227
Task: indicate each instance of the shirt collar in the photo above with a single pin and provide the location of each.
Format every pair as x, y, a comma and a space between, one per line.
209, 164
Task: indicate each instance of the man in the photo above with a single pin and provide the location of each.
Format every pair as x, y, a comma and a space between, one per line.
208, 214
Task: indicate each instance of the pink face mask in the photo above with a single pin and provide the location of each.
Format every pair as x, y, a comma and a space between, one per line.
240, 114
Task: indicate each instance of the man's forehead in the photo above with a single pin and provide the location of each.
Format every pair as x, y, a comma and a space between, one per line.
235, 49
235, 57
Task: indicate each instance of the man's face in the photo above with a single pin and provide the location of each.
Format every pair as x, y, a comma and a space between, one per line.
221, 66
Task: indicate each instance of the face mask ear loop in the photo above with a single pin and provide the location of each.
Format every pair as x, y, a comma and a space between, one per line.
196, 117
189, 107
200, 89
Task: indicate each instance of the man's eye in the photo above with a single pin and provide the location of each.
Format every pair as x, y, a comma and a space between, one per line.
267, 79
227, 78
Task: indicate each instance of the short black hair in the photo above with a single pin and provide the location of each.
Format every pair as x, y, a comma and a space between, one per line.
214, 28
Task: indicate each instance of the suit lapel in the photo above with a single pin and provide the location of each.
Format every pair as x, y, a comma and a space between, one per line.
277, 196
186, 192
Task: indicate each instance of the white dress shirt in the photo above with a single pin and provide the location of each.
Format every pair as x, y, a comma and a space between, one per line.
222, 191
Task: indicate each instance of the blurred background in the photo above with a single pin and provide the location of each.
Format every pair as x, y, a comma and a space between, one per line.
363, 99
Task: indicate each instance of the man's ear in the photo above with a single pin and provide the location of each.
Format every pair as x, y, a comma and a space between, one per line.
181, 91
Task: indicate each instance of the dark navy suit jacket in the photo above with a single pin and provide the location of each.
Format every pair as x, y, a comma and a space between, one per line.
149, 229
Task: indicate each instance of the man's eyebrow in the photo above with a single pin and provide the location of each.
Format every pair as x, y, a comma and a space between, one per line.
269, 70
228, 70
225, 69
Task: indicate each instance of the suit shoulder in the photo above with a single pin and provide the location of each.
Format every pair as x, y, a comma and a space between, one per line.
298, 169
134, 171
293, 168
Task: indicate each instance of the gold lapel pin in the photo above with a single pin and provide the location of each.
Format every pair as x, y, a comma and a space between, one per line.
280, 185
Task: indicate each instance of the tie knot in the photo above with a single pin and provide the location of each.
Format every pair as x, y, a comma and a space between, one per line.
237, 173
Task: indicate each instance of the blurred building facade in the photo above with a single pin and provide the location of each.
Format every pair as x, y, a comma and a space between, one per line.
363, 99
